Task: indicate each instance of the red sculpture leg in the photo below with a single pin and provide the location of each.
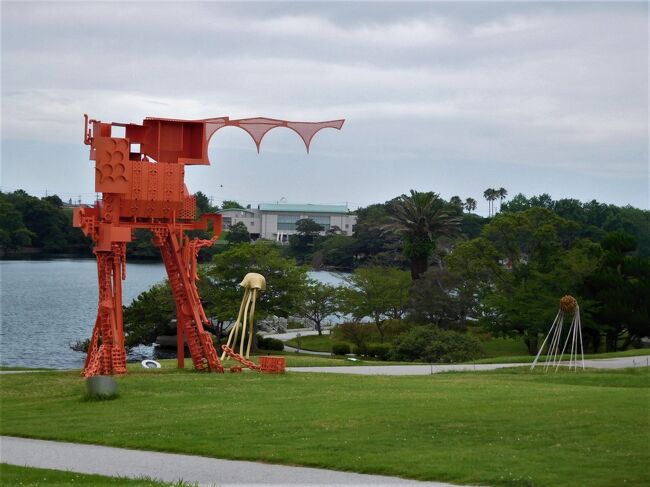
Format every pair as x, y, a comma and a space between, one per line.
180, 262
106, 353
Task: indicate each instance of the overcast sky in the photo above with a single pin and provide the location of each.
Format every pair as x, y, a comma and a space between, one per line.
449, 97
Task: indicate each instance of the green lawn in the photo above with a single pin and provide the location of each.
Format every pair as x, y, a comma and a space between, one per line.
318, 343
27, 476
507, 427
510, 359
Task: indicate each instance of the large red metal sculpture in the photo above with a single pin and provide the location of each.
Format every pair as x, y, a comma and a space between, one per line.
141, 178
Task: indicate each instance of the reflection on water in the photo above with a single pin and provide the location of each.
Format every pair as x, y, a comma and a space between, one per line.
46, 305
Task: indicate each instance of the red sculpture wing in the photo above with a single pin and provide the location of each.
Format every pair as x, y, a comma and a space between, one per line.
258, 127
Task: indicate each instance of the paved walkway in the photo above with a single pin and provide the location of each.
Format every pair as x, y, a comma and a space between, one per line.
170, 467
612, 363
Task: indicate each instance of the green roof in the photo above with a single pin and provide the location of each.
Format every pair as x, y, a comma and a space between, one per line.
249, 210
304, 208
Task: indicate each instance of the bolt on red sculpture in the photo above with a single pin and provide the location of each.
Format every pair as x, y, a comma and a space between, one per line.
141, 178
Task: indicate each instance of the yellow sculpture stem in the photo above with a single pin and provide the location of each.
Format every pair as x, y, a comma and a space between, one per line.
235, 326
247, 296
251, 336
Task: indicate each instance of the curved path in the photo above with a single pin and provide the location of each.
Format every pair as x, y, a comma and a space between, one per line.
171, 467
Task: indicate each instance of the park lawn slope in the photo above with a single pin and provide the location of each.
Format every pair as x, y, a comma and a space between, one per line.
506, 427
642, 353
28, 476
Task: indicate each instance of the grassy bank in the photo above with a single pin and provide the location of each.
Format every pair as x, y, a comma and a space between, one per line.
506, 427
27, 476
511, 359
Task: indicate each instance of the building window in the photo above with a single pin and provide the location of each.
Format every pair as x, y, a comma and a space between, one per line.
226, 221
287, 222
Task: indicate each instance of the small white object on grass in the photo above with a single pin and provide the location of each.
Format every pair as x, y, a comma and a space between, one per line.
150, 364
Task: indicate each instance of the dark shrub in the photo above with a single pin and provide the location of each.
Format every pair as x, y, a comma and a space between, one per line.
379, 350
430, 344
340, 348
395, 328
357, 333
269, 343
360, 350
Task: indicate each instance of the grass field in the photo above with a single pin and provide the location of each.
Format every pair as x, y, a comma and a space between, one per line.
26, 476
318, 343
510, 359
507, 427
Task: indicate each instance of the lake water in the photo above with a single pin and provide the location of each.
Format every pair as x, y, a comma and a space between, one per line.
47, 305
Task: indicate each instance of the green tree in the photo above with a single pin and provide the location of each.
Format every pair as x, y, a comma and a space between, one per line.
336, 252
457, 203
379, 293
203, 204
447, 296
490, 195
543, 262
470, 204
44, 218
501, 193
433, 299
420, 219
142, 247
302, 243
149, 315
621, 286
238, 233
230, 204
285, 281
319, 302
373, 244
13, 233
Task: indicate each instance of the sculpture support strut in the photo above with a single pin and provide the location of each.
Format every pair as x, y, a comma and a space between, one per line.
141, 177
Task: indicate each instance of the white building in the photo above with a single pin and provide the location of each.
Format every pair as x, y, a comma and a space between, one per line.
278, 221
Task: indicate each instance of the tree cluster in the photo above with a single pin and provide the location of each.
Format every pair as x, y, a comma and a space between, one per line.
41, 224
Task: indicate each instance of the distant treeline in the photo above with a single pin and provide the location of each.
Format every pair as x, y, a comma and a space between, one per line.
44, 225
373, 245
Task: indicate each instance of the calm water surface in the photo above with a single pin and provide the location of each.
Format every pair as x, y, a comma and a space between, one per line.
46, 305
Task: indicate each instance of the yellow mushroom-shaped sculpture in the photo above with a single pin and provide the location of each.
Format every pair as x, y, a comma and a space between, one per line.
252, 283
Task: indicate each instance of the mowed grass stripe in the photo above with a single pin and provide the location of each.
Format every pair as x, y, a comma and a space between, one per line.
506, 427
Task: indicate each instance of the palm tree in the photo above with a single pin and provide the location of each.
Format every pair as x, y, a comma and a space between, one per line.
470, 204
490, 195
456, 201
420, 219
501, 193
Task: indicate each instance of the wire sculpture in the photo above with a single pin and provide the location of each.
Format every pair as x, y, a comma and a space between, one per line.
568, 305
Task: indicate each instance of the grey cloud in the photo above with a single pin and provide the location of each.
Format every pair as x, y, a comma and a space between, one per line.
529, 87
